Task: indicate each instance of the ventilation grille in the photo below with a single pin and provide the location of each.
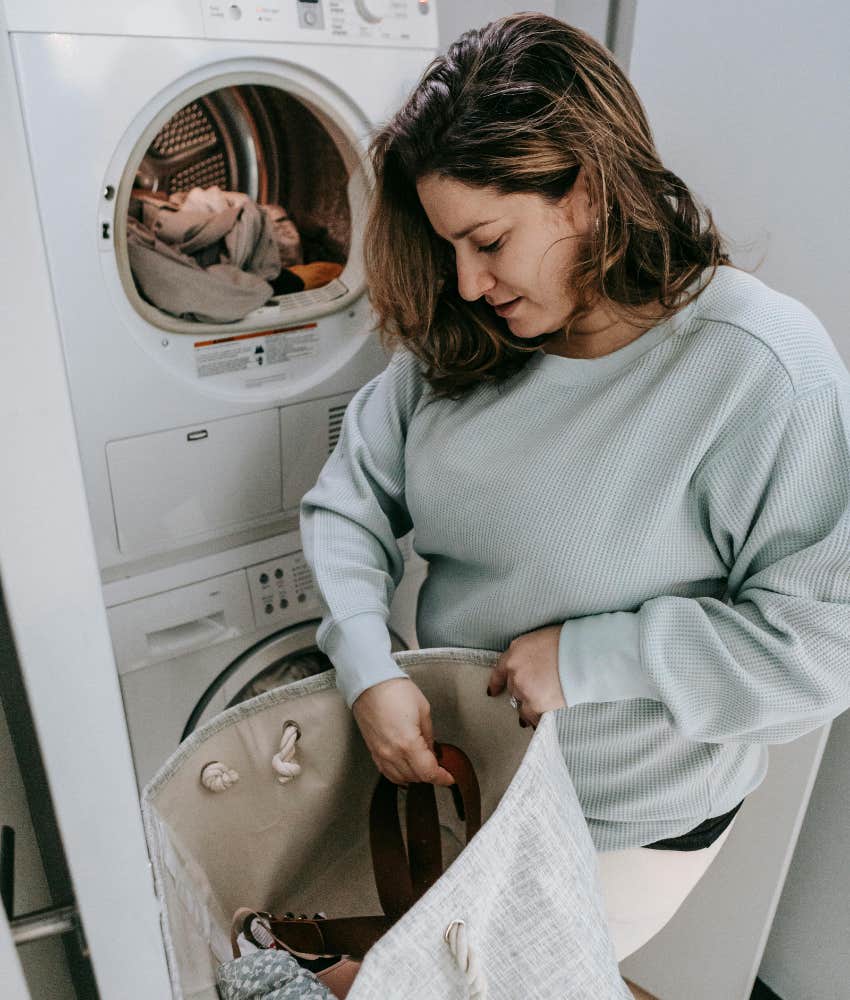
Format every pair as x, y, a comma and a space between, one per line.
335, 415
187, 129
212, 170
188, 151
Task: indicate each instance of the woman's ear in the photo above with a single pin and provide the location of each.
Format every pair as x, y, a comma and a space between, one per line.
576, 205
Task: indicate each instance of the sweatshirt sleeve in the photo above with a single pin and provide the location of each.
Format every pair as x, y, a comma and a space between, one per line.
773, 661
350, 521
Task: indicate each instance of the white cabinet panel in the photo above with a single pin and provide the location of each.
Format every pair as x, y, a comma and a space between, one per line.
162, 483
308, 433
180, 621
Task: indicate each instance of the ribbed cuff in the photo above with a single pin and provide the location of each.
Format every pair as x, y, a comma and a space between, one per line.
599, 660
360, 649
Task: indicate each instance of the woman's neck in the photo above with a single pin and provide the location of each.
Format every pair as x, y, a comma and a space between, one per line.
601, 333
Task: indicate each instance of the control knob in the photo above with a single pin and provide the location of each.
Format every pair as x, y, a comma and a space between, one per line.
373, 11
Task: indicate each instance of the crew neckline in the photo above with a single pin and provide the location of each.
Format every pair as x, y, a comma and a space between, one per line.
586, 370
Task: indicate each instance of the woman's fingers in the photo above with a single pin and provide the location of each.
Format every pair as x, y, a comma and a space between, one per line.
425, 766
394, 718
415, 766
528, 719
498, 678
393, 774
425, 726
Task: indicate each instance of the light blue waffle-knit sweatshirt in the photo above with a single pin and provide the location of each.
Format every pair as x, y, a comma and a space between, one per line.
681, 506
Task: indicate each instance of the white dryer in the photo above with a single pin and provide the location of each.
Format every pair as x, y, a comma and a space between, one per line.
198, 439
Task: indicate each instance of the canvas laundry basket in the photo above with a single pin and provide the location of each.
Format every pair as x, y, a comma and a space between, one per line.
526, 886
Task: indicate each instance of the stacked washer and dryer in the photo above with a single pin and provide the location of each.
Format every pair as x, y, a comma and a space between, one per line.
199, 439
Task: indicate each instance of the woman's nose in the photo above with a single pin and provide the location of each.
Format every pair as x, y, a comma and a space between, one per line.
473, 278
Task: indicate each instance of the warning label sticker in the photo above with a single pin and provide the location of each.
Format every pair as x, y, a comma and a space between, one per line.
253, 353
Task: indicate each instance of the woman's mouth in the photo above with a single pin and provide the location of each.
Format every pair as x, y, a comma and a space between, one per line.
507, 307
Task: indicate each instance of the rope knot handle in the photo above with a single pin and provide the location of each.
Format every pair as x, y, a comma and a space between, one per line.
457, 938
218, 777
284, 762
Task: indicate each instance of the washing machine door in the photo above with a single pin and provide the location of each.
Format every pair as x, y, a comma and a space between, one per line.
279, 659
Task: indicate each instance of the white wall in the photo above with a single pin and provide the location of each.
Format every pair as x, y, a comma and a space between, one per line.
748, 102
749, 105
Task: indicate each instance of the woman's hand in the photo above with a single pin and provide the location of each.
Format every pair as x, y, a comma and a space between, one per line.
528, 668
395, 720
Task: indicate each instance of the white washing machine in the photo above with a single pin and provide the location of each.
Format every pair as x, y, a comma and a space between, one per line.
198, 439
247, 622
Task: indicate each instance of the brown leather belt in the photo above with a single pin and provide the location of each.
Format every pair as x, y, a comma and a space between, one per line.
401, 876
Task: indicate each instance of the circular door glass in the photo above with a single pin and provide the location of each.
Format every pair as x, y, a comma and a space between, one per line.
239, 202
280, 659
293, 667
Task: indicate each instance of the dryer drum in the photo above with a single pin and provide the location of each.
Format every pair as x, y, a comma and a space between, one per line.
277, 660
263, 142
285, 671
214, 140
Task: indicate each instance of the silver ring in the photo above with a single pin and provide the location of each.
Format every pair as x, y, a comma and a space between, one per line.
514, 703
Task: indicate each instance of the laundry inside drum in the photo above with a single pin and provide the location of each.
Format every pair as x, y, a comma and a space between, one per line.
293, 667
240, 201
286, 670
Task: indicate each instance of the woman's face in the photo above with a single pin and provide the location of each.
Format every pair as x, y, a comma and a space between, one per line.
514, 250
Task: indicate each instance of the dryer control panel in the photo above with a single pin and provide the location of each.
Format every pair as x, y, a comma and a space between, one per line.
399, 23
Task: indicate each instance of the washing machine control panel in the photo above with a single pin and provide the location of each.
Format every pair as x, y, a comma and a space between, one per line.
282, 590
346, 22
374, 11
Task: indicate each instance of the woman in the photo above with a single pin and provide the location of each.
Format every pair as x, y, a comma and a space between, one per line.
627, 462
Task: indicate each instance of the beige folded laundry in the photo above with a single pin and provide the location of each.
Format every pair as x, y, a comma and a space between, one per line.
205, 254
178, 284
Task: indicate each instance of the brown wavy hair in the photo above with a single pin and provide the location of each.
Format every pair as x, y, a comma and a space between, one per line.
523, 105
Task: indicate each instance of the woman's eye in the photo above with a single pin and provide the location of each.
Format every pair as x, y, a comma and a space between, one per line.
491, 247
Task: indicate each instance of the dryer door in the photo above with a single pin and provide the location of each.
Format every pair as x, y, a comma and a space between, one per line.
239, 209
279, 659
